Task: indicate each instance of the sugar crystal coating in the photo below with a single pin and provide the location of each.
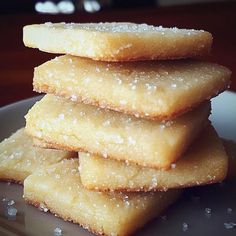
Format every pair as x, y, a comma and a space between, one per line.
11, 211
121, 27
185, 226
208, 212
115, 41
111, 213
230, 225
19, 157
11, 202
5, 199
152, 90
206, 157
120, 136
57, 231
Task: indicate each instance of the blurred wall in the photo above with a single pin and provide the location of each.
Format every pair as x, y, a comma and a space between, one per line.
179, 2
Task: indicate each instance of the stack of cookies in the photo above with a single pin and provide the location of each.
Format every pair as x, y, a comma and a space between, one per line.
137, 116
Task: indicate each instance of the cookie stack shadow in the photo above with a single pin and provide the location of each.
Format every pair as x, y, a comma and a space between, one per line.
135, 108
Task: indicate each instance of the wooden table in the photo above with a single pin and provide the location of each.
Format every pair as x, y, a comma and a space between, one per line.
17, 62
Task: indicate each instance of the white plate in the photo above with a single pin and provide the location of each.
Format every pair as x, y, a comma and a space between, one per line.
189, 209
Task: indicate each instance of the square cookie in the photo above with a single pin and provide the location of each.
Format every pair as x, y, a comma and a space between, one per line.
79, 127
58, 188
117, 41
205, 162
152, 90
20, 158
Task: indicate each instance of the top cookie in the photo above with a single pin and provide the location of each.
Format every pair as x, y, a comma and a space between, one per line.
117, 41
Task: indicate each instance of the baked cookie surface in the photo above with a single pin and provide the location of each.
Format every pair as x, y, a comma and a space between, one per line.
153, 90
117, 41
71, 126
205, 162
59, 189
19, 158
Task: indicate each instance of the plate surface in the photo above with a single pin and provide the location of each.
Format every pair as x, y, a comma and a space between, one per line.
190, 209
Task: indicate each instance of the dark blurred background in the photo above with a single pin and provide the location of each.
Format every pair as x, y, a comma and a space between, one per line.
17, 62
72, 6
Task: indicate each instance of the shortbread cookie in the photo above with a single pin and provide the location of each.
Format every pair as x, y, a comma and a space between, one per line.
117, 41
59, 189
230, 148
19, 158
205, 162
67, 125
153, 90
